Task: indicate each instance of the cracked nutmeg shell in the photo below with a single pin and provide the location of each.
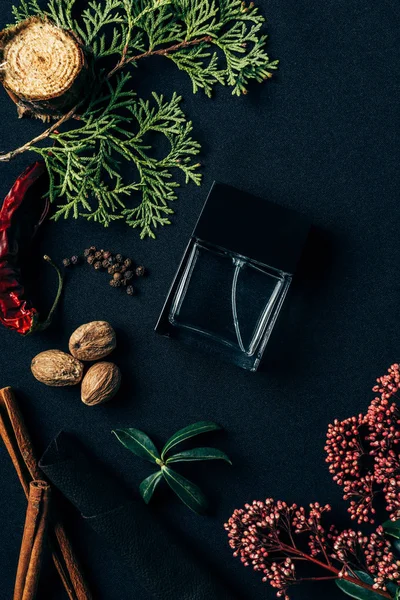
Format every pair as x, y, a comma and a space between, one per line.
92, 341
56, 368
100, 383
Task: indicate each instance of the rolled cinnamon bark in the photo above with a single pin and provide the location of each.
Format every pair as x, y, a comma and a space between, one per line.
43, 68
33, 540
19, 446
160, 563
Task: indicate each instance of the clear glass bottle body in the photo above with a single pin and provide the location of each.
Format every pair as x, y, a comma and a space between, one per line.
227, 303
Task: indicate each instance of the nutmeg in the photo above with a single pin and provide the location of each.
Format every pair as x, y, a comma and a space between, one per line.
56, 368
92, 341
100, 383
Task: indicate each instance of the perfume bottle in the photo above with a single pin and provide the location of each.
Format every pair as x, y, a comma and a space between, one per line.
234, 275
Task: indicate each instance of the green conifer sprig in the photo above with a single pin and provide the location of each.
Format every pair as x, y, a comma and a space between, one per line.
84, 163
212, 41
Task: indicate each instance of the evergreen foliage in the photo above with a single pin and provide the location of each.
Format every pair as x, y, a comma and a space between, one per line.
212, 41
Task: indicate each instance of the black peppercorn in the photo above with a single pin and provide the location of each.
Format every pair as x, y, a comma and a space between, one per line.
121, 270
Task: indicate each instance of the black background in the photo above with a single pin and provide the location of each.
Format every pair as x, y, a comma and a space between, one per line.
321, 137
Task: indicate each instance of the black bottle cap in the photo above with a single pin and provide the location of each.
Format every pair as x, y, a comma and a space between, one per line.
258, 229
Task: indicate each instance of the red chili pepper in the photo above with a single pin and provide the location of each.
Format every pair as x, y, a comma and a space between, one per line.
19, 221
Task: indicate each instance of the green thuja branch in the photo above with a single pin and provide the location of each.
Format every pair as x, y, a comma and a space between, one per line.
26, 9
212, 41
84, 162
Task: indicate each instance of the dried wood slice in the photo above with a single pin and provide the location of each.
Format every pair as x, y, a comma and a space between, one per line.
56, 368
43, 67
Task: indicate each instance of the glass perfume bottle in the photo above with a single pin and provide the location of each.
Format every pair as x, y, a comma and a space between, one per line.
234, 276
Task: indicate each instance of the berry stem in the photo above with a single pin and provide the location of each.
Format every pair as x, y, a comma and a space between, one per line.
328, 578
333, 570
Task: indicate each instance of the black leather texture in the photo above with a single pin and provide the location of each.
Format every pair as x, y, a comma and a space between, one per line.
155, 560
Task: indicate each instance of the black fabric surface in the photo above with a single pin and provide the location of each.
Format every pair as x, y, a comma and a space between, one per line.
322, 138
161, 566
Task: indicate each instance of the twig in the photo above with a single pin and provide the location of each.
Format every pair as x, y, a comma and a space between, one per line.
161, 52
10, 155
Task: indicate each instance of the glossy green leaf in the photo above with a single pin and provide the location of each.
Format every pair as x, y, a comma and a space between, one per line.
356, 591
189, 432
148, 486
392, 528
187, 491
393, 589
199, 454
137, 442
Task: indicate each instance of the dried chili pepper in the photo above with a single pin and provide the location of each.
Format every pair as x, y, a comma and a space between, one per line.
23, 211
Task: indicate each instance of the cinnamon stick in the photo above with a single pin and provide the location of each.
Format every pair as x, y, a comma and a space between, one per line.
17, 441
33, 539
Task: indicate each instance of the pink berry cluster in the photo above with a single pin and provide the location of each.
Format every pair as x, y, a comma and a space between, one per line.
378, 558
257, 533
277, 540
363, 452
310, 522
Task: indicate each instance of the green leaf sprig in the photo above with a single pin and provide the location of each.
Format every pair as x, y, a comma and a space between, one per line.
140, 444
